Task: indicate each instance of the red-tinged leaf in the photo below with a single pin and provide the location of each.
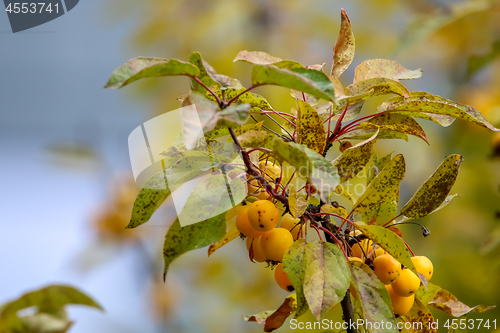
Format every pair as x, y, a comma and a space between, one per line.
277, 319
273, 320
229, 236
395, 122
384, 68
447, 302
344, 47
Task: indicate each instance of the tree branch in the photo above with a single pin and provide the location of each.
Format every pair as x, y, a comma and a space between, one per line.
256, 174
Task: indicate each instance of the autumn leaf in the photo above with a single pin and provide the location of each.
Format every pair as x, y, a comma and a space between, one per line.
343, 51
229, 236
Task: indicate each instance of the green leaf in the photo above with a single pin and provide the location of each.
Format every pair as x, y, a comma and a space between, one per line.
180, 240
262, 58
142, 67
327, 277
310, 129
412, 107
204, 75
380, 199
310, 166
421, 318
220, 131
390, 242
344, 47
447, 302
294, 265
395, 122
389, 69
377, 86
354, 159
299, 95
49, 300
435, 190
309, 81
374, 299
157, 188
426, 295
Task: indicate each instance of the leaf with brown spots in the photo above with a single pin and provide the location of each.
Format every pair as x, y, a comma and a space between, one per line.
262, 58
420, 104
254, 139
327, 277
421, 319
273, 320
377, 86
297, 204
447, 302
180, 240
381, 197
354, 159
229, 236
343, 51
310, 129
384, 68
435, 190
143, 67
374, 300
294, 265
308, 81
389, 241
395, 122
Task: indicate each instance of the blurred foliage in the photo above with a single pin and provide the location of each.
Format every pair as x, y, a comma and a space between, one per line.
43, 310
456, 43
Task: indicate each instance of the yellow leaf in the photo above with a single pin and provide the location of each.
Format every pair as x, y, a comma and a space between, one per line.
229, 236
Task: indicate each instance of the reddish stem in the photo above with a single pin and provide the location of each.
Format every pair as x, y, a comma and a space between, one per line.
208, 89
241, 93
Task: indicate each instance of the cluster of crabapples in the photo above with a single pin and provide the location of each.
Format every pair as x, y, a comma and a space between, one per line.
400, 282
265, 242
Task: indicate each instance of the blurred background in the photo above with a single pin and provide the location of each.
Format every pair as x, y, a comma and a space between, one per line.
67, 187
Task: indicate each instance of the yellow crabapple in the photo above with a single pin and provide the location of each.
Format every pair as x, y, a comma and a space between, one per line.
386, 268
424, 266
243, 224
258, 255
263, 215
282, 278
290, 223
275, 243
407, 283
401, 305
